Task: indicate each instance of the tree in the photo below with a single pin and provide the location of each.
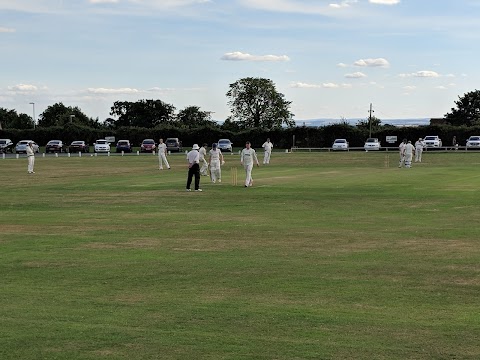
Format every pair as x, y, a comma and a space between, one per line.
192, 117
255, 103
365, 124
143, 113
60, 115
467, 111
9, 119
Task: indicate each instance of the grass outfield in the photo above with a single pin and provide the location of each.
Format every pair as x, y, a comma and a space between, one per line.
328, 256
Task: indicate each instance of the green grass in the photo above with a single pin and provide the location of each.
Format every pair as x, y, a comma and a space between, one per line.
328, 256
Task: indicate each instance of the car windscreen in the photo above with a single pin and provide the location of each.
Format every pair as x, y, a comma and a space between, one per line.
77, 143
149, 142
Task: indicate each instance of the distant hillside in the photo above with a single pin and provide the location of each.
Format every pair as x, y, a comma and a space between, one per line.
395, 122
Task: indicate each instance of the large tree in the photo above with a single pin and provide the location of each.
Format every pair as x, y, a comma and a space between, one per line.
59, 115
192, 117
143, 113
9, 119
255, 102
467, 111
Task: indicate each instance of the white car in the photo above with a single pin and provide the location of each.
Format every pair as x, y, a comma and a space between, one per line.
21, 146
473, 142
225, 145
101, 145
372, 144
340, 144
432, 141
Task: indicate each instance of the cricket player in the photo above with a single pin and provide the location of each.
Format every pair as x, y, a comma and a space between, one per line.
267, 146
247, 157
30, 157
216, 160
193, 158
418, 150
162, 155
409, 151
203, 161
401, 149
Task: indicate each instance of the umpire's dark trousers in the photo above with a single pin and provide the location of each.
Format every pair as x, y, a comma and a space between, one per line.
194, 171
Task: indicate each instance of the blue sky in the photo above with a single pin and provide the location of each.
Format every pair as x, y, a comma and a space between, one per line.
332, 58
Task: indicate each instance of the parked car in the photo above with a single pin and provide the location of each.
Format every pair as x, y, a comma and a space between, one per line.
432, 141
225, 145
6, 145
124, 145
148, 145
473, 142
372, 144
173, 144
54, 146
79, 146
101, 145
340, 144
21, 146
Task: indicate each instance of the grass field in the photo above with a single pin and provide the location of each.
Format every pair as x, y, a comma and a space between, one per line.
328, 256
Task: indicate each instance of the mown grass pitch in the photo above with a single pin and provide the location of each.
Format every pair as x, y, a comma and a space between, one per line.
328, 256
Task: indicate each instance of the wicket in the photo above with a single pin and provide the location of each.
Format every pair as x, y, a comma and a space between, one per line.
233, 175
387, 161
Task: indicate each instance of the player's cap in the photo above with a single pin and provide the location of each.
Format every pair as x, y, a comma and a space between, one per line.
195, 147
214, 145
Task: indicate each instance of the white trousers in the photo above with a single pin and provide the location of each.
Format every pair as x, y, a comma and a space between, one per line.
215, 171
408, 160
266, 157
402, 160
418, 155
248, 173
163, 159
204, 168
31, 163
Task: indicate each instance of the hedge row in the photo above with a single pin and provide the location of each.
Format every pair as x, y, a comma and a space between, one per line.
282, 138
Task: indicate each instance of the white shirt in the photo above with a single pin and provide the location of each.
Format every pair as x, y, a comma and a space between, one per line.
267, 145
193, 157
162, 148
215, 155
419, 145
409, 149
29, 151
247, 156
401, 147
202, 153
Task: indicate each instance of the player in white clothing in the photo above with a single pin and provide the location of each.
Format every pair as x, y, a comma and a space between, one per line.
267, 146
31, 157
409, 151
419, 150
162, 155
401, 149
216, 160
247, 157
203, 160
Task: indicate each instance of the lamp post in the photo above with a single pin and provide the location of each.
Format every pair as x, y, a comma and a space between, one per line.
71, 117
33, 105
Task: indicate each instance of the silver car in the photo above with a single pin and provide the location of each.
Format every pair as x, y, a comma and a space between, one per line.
21, 146
225, 145
340, 144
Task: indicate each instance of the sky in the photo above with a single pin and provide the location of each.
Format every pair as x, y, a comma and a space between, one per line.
330, 58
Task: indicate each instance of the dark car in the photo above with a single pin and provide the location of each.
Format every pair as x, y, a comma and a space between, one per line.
173, 144
148, 145
6, 145
54, 146
79, 146
124, 145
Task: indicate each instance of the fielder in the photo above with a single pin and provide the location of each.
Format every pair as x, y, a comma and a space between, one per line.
418, 150
247, 157
216, 160
401, 149
162, 155
267, 146
30, 157
409, 150
203, 161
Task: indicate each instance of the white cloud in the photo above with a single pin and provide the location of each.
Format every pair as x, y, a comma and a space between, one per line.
301, 85
6, 30
409, 88
355, 75
379, 62
105, 91
441, 87
239, 56
304, 85
103, 1
385, 2
23, 88
343, 4
422, 74
342, 65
